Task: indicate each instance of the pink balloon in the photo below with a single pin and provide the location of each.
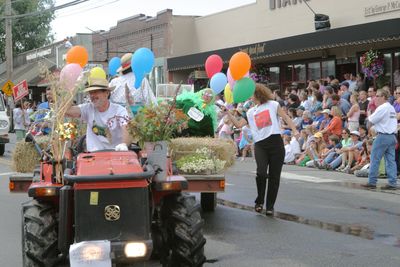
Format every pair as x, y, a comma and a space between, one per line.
213, 65
69, 75
231, 81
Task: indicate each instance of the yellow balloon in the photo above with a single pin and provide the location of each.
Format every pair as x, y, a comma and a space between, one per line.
97, 73
228, 94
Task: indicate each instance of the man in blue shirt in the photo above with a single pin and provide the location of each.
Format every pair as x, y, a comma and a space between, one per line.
42, 111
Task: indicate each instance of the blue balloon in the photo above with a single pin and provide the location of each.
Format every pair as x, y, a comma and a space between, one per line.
114, 65
138, 80
142, 64
218, 82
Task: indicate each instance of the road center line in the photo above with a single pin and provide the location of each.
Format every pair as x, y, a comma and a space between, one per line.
304, 178
7, 173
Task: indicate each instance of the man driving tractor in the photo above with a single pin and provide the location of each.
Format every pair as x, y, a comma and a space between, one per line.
106, 121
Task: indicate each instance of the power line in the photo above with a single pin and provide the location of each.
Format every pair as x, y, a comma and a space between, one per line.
35, 13
82, 10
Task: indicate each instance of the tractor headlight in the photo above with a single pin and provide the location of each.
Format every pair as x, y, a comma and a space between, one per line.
135, 249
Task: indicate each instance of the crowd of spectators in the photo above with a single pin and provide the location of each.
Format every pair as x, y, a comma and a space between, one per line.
332, 118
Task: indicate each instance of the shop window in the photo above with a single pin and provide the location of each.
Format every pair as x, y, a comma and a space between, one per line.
396, 70
299, 75
387, 70
328, 68
274, 76
287, 75
314, 71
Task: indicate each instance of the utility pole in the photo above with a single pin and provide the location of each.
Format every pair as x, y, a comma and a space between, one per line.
9, 48
9, 58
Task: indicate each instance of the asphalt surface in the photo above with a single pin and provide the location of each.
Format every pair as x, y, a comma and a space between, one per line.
322, 219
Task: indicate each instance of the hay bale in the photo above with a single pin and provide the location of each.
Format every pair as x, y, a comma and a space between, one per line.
224, 149
25, 157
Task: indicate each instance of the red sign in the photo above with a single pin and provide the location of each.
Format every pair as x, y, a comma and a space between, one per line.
20, 90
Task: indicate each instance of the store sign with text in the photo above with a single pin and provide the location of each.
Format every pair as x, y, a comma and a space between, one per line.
254, 50
384, 7
274, 4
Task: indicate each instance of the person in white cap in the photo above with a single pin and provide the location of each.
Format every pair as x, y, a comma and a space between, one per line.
137, 97
106, 121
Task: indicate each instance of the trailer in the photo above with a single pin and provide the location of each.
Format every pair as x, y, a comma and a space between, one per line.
207, 185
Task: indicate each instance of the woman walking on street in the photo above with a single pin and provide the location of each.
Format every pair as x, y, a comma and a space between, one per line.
269, 149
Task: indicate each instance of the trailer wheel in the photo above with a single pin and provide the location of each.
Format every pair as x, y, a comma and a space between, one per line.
183, 226
2, 149
208, 201
39, 234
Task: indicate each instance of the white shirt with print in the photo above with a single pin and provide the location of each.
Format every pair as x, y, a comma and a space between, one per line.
108, 125
263, 120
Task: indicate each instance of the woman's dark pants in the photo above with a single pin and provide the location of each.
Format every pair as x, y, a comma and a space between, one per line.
269, 154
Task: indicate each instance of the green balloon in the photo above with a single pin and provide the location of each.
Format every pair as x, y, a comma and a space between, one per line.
243, 90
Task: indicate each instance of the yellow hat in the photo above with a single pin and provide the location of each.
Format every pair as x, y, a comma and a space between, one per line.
318, 135
98, 84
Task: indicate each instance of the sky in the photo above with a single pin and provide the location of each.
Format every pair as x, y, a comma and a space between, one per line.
103, 14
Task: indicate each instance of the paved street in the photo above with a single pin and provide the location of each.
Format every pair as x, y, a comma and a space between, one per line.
323, 219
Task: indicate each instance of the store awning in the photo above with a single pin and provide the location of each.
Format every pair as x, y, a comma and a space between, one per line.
374, 32
30, 72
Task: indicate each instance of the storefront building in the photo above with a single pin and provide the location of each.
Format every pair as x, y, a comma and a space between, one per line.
156, 33
281, 38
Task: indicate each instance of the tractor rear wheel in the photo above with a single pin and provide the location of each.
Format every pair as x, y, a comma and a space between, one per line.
39, 234
183, 226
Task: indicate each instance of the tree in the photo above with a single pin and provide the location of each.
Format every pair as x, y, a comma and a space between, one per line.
30, 31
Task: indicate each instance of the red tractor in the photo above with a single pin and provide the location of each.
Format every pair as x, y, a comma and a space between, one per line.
113, 208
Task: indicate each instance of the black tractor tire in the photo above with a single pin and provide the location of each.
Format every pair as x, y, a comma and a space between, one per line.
183, 227
39, 235
208, 201
2, 149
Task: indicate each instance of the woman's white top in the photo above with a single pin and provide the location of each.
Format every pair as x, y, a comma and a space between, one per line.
263, 120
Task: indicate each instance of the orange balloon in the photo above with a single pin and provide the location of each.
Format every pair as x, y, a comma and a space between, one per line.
239, 65
77, 54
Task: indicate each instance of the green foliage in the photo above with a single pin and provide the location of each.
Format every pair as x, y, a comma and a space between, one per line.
31, 31
157, 122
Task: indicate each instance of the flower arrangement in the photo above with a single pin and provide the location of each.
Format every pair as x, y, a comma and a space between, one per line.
157, 122
67, 131
372, 64
202, 161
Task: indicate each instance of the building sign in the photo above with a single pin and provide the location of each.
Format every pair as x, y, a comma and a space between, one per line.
254, 50
389, 6
38, 54
20, 90
273, 4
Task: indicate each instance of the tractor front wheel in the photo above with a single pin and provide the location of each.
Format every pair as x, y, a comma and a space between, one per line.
39, 234
183, 228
